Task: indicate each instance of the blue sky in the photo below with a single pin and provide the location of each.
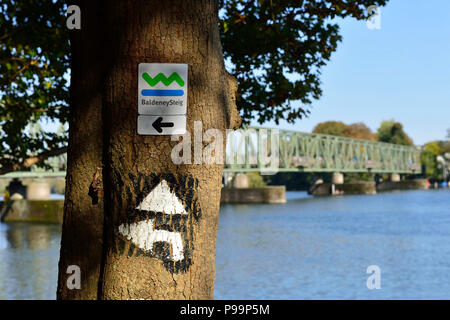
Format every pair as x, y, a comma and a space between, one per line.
401, 72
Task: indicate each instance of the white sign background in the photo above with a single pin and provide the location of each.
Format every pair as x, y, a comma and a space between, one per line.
161, 105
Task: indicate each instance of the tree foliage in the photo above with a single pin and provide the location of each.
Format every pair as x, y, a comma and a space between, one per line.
392, 132
34, 60
428, 158
389, 131
255, 180
360, 131
337, 128
334, 128
277, 49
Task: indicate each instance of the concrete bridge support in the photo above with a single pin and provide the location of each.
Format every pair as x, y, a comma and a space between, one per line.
395, 177
338, 178
38, 190
240, 181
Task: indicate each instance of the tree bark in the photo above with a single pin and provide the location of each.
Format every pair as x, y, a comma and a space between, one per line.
105, 71
82, 232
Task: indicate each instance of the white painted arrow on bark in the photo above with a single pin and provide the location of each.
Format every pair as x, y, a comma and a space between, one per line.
143, 234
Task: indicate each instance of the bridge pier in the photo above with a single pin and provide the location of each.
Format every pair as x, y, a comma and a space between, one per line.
395, 177
38, 190
239, 189
337, 178
240, 181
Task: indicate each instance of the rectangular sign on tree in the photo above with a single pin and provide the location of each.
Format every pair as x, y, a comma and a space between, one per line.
162, 98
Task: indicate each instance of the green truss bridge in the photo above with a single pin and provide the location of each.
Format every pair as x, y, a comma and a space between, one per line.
272, 150
304, 152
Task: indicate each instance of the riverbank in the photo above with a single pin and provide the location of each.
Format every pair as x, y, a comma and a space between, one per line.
417, 184
51, 211
47, 211
268, 194
370, 187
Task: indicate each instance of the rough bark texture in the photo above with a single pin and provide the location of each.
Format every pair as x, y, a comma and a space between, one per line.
81, 242
134, 32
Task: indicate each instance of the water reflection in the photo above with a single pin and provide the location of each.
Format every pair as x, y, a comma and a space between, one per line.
29, 254
33, 237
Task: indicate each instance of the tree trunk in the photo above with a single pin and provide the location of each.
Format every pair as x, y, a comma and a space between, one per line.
81, 242
118, 228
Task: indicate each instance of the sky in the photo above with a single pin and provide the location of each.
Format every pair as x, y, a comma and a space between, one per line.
401, 72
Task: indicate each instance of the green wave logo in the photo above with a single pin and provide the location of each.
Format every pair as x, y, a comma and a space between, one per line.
161, 77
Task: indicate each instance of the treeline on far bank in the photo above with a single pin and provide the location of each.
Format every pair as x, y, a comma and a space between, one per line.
389, 131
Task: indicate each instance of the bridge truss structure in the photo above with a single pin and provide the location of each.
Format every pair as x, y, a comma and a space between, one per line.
268, 150
304, 152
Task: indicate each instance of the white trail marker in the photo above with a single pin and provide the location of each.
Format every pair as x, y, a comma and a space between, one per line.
143, 234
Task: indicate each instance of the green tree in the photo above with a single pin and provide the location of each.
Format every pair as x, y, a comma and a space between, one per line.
337, 128
276, 49
34, 65
359, 131
255, 180
428, 158
392, 132
334, 128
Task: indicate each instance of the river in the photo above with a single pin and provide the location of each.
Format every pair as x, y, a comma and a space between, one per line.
308, 248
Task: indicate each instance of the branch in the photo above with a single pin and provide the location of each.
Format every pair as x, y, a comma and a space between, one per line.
32, 160
31, 63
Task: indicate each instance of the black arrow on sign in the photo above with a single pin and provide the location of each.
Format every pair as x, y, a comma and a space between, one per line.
158, 124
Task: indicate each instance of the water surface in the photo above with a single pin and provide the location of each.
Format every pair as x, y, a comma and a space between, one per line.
320, 248
308, 248
29, 254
